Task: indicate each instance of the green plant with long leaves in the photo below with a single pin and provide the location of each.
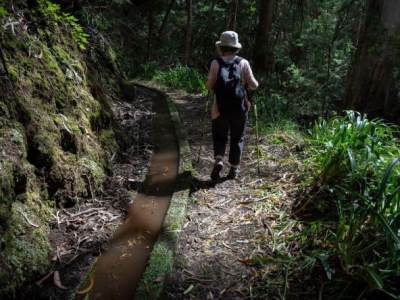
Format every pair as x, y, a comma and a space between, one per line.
356, 162
182, 77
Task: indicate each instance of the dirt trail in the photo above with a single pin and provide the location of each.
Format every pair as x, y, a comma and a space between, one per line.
231, 224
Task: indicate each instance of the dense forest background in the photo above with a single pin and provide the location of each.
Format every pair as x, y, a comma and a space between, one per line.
329, 69
311, 56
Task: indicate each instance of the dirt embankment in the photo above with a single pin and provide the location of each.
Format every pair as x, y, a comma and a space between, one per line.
65, 127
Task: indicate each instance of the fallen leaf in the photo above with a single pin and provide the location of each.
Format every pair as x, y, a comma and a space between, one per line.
88, 288
189, 289
57, 281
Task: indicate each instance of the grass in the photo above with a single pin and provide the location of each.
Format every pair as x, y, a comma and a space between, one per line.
346, 229
159, 266
178, 77
354, 167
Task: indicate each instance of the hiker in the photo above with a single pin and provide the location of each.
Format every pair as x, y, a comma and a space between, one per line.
229, 77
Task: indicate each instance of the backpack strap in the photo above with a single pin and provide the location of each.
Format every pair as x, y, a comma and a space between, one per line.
220, 61
238, 59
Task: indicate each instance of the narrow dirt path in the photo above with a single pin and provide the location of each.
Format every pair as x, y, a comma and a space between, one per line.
231, 225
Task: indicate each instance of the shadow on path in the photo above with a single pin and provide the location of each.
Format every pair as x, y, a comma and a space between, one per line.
186, 180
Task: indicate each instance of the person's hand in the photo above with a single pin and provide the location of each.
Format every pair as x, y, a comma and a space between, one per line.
248, 104
214, 111
250, 94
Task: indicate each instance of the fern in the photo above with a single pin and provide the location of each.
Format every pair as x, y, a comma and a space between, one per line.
53, 13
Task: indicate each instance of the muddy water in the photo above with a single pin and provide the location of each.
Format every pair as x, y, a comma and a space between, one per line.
119, 269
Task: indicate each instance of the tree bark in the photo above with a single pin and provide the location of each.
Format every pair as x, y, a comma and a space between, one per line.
262, 52
165, 19
232, 17
150, 29
370, 84
188, 38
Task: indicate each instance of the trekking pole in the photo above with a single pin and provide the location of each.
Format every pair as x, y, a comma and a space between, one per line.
204, 124
257, 137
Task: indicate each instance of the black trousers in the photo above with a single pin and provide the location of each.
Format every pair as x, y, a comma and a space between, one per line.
235, 123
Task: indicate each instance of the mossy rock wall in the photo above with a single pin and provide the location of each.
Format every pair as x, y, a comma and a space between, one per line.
56, 136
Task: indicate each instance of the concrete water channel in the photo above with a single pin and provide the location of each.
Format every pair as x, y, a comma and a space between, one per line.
117, 272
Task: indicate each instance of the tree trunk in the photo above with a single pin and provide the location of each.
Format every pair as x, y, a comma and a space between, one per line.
232, 17
262, 52
165, 20
150, 29
205, 41
369, 86
188, 38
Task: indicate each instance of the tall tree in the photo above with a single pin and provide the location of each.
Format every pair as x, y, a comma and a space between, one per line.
189, 26
165, 19
370, 79
205, 37
261, 49
232, 16
150, 28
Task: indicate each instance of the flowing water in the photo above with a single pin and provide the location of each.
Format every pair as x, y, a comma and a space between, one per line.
118, 270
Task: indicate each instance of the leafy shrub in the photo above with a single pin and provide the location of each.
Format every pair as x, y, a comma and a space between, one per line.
149, 70
355, 161
182, 77
3, 12
78, 34
53, 13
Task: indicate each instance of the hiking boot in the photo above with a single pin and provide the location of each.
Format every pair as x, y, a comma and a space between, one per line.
233, 173
216, 170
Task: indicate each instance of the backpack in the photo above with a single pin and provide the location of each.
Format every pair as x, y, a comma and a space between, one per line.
229, 90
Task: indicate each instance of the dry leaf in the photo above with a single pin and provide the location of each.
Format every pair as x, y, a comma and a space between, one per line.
57, 281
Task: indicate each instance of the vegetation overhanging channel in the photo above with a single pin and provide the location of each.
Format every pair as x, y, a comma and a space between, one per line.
315, 211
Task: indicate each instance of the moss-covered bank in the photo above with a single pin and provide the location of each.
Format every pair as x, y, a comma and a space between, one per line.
56, 130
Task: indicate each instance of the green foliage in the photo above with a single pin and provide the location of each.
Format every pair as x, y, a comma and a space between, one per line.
53, 13
311, 59
159, 265
50, 10
97, 21
356, 164
182, 77
78, 34
148, 70
3, 12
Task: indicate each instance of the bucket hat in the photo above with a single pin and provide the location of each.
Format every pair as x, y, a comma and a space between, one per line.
229, 39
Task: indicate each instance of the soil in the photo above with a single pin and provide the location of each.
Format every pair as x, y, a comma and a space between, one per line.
80, 233
235, 224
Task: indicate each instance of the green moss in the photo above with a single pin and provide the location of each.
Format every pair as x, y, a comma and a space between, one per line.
6, 183
60, 146
25, 246
4, 112
41, 151
68, 123
107, 138
17, 137
51, 63
95, 170
159, 265
11, 171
